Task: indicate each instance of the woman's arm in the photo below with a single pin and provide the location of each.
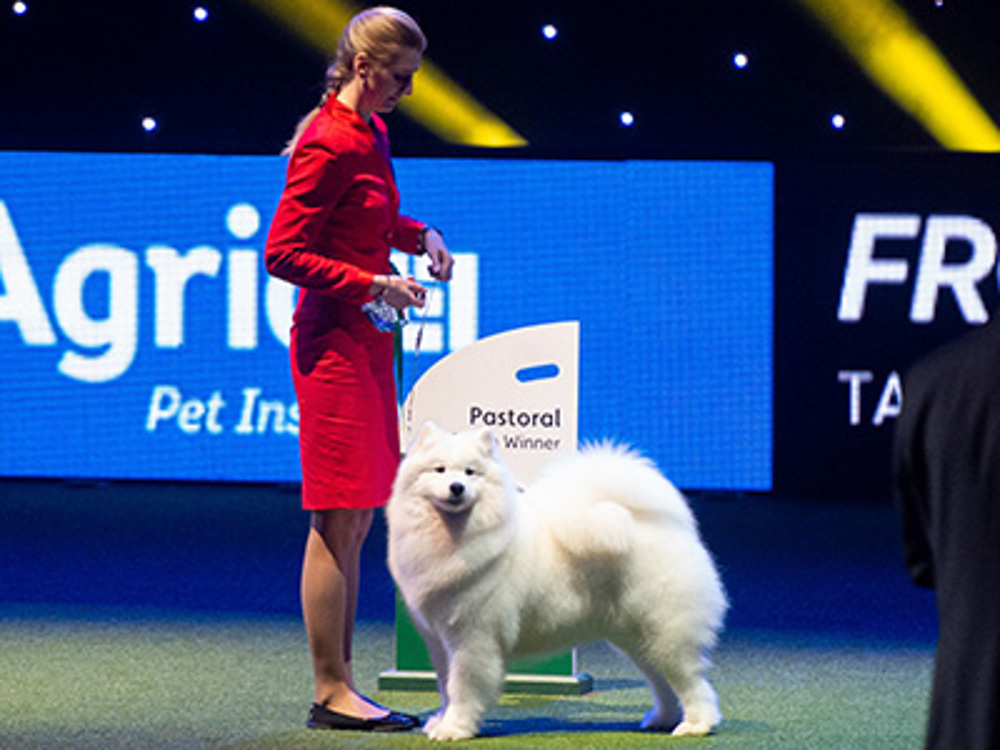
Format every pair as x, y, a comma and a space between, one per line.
317, 179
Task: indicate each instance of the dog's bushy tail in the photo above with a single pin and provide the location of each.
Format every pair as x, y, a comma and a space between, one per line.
623, 474
602, 491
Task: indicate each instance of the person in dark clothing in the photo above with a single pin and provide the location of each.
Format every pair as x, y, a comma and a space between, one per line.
947, 484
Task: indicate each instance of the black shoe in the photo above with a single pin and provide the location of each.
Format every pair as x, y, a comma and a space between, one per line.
321, 717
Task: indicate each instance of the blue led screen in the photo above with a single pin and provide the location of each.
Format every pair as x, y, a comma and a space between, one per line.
141, 338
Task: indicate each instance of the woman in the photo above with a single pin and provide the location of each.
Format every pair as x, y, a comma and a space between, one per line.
331, 236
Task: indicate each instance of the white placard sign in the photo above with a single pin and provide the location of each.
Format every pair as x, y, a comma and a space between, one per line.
522, 384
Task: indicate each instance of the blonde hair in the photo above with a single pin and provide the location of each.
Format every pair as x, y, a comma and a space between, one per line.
381, 33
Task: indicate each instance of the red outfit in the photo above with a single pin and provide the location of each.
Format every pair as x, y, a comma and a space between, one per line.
331, 234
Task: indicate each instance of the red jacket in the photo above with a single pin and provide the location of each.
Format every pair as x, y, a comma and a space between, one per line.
339, 214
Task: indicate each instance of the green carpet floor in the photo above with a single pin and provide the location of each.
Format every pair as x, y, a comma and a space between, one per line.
102, 679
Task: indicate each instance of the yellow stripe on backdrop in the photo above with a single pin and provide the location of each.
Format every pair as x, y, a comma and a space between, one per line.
437, 103
908, 67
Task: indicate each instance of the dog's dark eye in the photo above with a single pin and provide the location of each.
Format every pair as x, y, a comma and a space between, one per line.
439, 469
470, 472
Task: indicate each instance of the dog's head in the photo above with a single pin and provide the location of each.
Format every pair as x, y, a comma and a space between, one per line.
453, 472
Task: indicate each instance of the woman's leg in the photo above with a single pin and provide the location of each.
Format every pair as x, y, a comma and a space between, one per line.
330, 578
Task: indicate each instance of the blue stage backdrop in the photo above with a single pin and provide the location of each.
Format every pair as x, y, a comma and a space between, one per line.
141, 338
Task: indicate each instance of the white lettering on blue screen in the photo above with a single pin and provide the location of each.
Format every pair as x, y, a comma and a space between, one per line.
105, 346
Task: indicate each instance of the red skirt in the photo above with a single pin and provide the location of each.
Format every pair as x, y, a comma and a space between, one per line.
348, 420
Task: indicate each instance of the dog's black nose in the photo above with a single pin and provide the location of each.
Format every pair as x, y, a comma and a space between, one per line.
457, 489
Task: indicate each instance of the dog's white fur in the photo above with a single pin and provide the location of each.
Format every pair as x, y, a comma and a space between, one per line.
601, 547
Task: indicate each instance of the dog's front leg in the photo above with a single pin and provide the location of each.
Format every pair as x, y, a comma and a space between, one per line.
475, 678
439, 658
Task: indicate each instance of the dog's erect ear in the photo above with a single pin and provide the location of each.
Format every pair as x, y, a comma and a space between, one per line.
428, 430
487, 443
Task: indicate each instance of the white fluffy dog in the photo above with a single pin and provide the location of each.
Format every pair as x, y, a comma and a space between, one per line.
601, 547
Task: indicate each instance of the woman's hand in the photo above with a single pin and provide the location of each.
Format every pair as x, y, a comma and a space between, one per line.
437, 252
400, 291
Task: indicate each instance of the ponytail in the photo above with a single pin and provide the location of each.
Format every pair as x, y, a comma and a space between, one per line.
380, 33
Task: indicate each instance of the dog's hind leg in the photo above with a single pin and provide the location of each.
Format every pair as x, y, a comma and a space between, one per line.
666, 712
683, 699
475, 679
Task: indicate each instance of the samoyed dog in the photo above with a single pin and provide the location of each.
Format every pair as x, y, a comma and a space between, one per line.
601, 547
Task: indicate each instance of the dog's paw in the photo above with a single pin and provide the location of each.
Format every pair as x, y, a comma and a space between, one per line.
699, 720
441, 726
443, 731
692, 729
432, 722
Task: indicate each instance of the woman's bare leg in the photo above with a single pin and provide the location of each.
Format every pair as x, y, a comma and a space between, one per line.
330, 580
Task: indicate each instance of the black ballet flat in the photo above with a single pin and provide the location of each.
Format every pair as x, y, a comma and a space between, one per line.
321, 717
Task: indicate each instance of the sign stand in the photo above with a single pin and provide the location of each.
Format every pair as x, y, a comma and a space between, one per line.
523, 385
